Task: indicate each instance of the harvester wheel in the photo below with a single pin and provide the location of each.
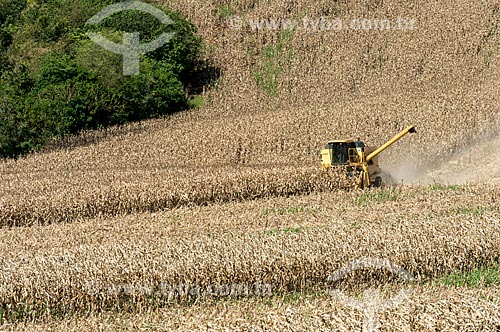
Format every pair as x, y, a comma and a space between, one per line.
377, 182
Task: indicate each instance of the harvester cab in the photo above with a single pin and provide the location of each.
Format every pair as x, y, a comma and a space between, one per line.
355, 157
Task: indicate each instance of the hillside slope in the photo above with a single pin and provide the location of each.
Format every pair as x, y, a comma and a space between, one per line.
233, 192
442, 76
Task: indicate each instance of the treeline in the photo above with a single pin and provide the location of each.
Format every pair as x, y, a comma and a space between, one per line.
55, 81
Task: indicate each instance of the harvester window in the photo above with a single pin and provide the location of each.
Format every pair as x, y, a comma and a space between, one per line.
353, 155
339, 153
359, 144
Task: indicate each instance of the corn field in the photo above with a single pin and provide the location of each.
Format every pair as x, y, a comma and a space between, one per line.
119, 264
95, 227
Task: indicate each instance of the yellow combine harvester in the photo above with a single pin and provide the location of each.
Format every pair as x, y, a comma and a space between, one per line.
355, 157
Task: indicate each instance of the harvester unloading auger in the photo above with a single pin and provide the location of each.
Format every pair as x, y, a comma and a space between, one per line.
355, 157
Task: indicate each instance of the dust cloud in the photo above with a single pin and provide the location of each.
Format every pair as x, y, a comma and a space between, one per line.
476, 163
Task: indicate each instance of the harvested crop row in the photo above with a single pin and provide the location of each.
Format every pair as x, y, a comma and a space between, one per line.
128, 192
123, 271
428, 309
260, 215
